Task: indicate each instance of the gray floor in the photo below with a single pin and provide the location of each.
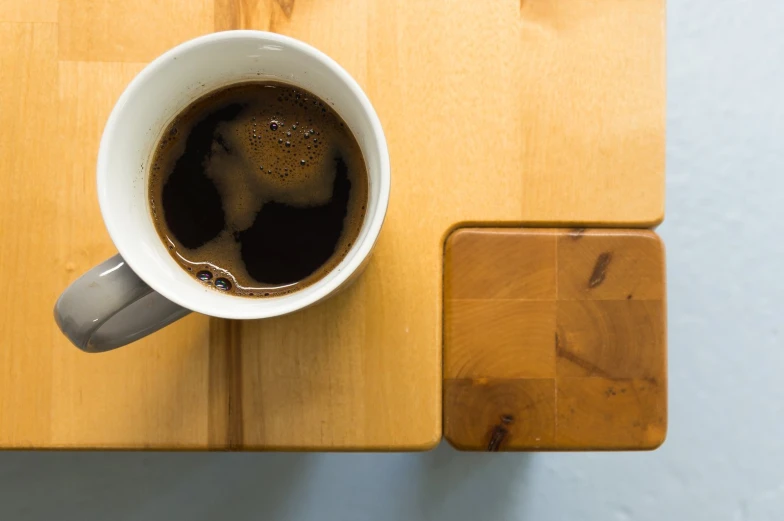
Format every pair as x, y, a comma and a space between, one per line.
724, 459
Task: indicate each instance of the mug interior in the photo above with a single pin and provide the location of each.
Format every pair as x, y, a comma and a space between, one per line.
166, 87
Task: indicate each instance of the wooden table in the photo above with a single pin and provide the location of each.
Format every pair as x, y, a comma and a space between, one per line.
532, 112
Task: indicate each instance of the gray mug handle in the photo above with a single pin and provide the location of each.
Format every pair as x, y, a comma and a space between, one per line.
110, 306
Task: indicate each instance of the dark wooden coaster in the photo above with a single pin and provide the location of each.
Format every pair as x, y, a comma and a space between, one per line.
554, 339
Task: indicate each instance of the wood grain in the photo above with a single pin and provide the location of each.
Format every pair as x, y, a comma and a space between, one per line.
611, 414
27, 162
496, 349
581, 367
486, 276
506, 414
594, 338
34, 11
535, 112
609, 266
116, 31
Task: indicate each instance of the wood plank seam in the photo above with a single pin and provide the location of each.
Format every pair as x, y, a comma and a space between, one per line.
555, 346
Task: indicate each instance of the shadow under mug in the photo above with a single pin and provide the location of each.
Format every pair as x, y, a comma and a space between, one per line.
142, 289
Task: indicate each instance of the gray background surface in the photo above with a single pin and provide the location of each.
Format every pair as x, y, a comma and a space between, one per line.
724, 458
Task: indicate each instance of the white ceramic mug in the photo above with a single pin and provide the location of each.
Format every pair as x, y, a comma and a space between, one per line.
143, 289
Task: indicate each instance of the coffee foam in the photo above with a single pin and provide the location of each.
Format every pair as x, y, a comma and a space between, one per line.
251, 164
281, 147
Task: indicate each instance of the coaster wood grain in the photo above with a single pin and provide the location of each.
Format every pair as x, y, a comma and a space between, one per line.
554, 339
505, 111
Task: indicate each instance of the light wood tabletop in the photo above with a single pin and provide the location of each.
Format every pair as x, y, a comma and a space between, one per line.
535, 112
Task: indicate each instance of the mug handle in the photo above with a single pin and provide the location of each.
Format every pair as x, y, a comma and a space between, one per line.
110, 306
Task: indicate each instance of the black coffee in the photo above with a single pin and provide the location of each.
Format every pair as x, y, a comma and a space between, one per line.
258, 189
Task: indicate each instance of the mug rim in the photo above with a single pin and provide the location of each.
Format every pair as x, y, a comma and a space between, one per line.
285, 303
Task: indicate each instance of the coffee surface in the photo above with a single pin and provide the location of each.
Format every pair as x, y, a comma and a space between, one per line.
258, 189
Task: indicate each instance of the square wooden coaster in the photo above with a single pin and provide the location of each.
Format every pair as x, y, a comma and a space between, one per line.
554, 339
